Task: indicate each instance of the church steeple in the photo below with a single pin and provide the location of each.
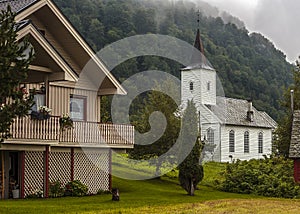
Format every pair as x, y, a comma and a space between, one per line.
198, 59
198, 42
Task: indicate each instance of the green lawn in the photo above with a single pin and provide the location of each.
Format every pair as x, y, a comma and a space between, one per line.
157, 196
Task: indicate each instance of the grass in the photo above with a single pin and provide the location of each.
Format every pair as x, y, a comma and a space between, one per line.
157, 196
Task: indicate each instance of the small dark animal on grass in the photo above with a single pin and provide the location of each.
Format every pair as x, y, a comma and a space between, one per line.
115, 194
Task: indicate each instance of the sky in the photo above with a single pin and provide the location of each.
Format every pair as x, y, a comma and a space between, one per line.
278, 20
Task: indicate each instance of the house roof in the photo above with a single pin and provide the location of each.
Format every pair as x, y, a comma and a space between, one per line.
234, 112
295, 136
16, 5
70, 40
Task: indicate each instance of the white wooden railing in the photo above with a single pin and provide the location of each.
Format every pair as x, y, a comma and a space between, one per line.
82, 132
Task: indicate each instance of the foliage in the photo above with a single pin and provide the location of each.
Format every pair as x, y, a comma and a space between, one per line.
56, 189
284, 130
152, 102
103, 192
248, 64
190, 170
75, 188
271, 177
14, 100
65, 122
36, 194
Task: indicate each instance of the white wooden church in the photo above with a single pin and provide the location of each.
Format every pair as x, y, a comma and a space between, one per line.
232, 128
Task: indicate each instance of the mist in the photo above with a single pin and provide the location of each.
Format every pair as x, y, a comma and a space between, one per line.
278, 20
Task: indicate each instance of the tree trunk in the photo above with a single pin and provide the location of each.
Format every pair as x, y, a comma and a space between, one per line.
192, 188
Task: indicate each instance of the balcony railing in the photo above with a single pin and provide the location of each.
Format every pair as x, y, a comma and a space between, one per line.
82, 132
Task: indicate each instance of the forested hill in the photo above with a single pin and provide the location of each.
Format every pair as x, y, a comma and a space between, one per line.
248, 65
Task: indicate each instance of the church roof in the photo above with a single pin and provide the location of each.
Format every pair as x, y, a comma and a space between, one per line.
295, 137
16, 5
234, 112
198, 59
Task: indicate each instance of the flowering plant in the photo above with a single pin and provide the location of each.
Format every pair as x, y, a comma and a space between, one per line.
65, 122
44, 110
42, 113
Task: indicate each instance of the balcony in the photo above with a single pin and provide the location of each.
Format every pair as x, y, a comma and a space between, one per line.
82, 133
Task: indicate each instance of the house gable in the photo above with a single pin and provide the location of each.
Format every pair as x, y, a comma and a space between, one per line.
63, 37
47, 59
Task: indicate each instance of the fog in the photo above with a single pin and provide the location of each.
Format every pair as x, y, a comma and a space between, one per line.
278, 20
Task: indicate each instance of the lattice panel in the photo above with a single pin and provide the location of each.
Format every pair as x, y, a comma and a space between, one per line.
34, 173
60, 167
95, 176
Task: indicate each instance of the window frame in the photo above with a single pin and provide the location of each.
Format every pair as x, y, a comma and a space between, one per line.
260, 143
210, 135
231, 141
191, 86
84, 98
246, 142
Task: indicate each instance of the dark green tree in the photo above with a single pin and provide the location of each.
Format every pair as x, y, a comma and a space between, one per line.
14, 101
156, 101
190, 170
283, 132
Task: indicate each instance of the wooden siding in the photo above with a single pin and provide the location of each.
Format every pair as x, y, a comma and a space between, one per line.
200, 94
239, 143
53, 41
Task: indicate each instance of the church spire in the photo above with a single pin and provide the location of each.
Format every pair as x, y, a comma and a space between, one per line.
198, 42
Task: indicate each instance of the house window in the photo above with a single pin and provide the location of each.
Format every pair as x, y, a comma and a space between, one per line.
191, 86
231, 141
78, 108
208, 86
210, 135
39, 100
246, 142
260, 143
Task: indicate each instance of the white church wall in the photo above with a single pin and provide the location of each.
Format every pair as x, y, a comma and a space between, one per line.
239, 143
208, 95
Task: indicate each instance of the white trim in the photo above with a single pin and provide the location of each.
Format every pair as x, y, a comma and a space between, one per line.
73, 32
30, 29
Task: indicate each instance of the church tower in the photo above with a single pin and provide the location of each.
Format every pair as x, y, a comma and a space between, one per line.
198, 80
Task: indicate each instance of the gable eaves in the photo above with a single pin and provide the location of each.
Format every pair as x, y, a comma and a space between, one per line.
39, 4
35, 33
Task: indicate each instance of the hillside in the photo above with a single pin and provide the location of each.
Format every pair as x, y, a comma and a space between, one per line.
248, 64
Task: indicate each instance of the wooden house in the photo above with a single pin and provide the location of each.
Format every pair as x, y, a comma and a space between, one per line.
294, 152
39, 151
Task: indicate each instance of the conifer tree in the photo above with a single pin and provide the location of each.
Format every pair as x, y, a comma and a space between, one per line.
190, 170
14, 100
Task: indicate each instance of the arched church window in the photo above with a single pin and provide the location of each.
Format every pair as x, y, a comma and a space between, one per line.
246, 142
191, 86
208, 86
210, 135
231, 141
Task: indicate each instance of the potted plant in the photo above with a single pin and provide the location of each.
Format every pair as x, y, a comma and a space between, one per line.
43, 113
65, 122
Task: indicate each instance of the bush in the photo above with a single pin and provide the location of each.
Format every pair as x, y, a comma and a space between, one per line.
272, 177
56, 189
75, 188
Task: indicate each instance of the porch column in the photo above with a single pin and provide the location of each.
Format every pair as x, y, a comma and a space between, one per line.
72, 165
110, 169
22, 177
46, 172
2, 175
47, 90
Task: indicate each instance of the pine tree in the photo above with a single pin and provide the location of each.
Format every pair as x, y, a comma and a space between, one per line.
14, 101
190, 170
283, 132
